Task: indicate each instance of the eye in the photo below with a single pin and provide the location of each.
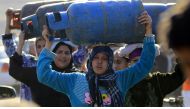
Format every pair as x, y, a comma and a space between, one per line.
39, 46
59, 52
67, 53
105, 58
96, 57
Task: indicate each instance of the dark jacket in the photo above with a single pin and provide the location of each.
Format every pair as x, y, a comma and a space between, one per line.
41, 94
151, 91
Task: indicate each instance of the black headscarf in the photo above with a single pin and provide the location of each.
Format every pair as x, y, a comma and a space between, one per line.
70, 67
107, 80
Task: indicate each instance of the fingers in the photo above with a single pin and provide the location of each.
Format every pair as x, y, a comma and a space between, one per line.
45, 32
9, 12
145, 21
143, 14
145, 18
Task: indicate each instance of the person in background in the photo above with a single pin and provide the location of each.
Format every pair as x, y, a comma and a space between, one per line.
80, 58
41, 94
22, 68
10, 47
151, 91
32, 49
173, 31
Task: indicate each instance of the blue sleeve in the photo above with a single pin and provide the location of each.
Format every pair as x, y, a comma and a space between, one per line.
9, 45
29, 60
132, 75
62, 82
10, 49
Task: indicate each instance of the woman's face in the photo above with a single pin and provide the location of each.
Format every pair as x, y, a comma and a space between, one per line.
120, 62
100, 63
39, 46
63, 57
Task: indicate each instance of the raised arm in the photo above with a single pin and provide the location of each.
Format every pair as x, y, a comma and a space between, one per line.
23, 68
7, 38
132, 75
62, 82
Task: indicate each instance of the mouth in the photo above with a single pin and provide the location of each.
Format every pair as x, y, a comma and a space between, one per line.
62, 60
99, 68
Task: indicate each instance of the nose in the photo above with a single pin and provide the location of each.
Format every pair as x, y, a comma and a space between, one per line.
99, 61
63, 55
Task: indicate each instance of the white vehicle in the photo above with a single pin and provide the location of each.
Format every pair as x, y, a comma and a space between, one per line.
5, 78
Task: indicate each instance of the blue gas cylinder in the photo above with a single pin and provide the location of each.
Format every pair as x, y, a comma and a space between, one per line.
31, 7
94, 22
32, 25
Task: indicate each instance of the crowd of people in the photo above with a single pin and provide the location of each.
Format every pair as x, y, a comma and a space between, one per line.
62, 74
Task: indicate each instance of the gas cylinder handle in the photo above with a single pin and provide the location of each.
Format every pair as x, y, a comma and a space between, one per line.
57, 20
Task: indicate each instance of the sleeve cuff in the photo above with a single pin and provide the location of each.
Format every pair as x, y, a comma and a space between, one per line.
149, 39
17, 58
17, 55
7, 36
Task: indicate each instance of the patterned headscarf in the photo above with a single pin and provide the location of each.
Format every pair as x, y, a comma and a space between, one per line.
80, 56
107, 80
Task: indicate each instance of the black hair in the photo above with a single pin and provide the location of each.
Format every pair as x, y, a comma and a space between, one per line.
179, 35
62, 44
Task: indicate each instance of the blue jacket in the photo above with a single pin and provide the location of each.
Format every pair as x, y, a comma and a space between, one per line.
75, 84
